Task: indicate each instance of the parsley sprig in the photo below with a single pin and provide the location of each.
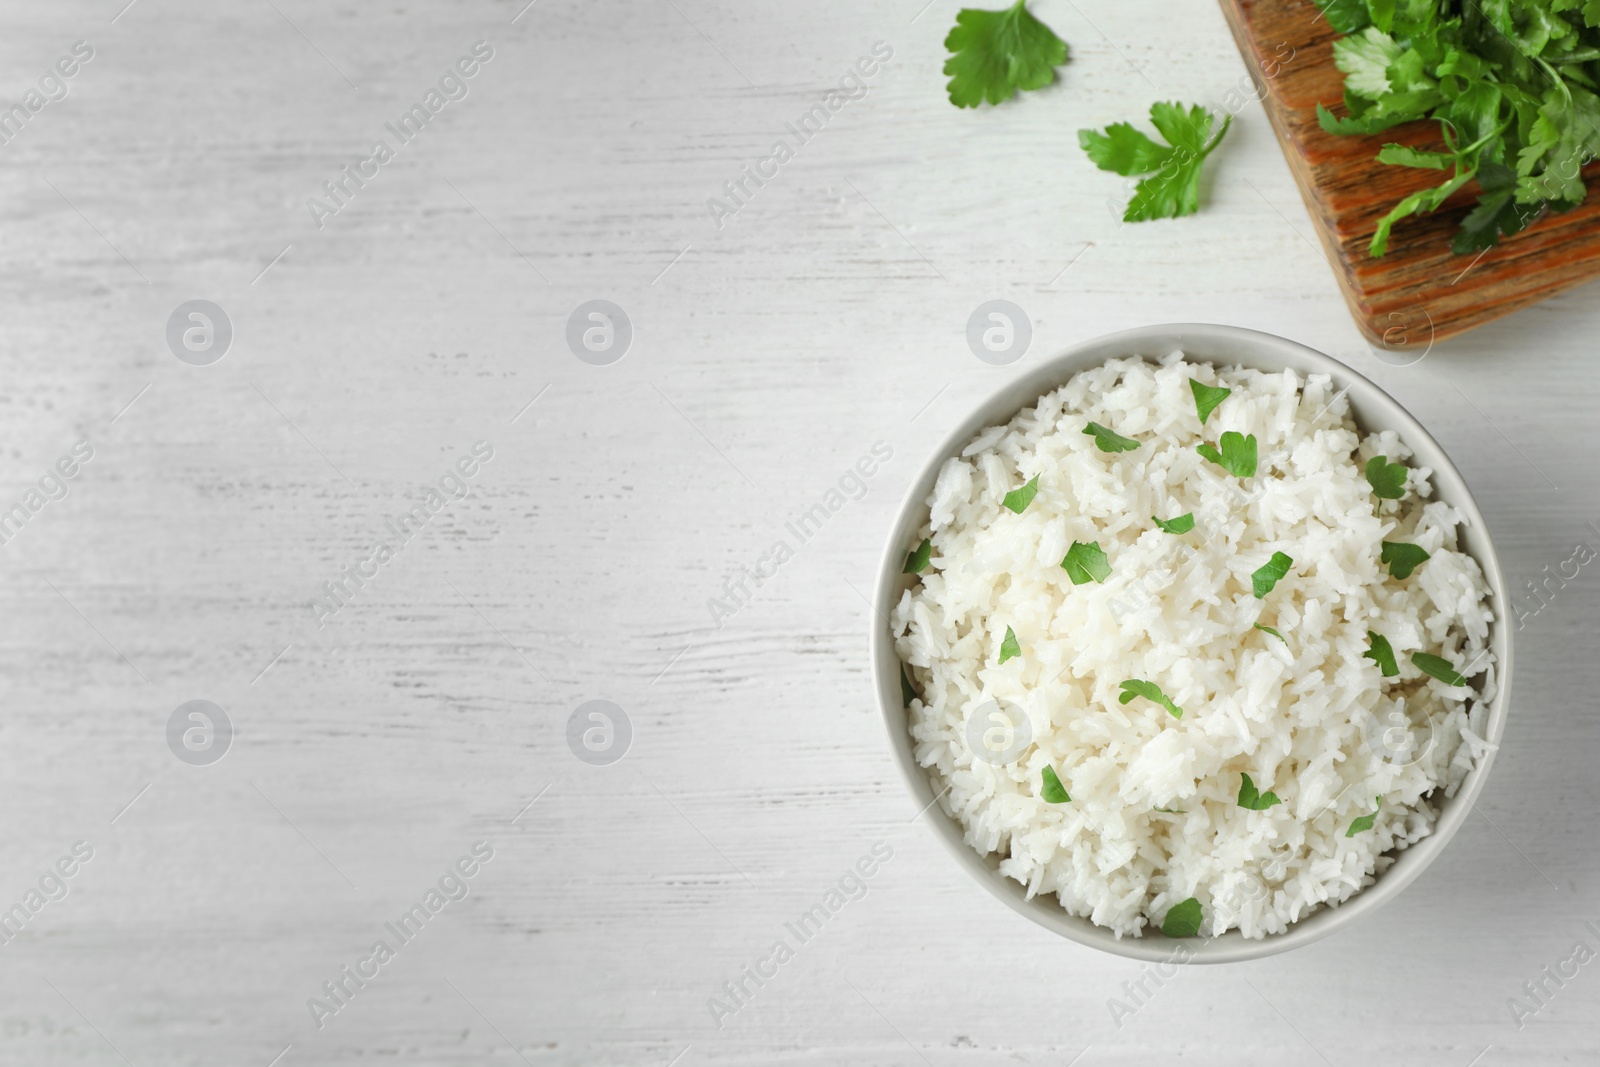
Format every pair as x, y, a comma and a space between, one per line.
1183, 919
1170, 173
995, 53
1086, 563
1018, 499
1237, 456
1269, 574
1270, 630
1107, 441
1364, 823
1010, 648
917, 561
1402, 558
1207, 397
1134, 688
1388, 480
1381, 653
1051, 791
1250, 798
1177, 526
1438, 667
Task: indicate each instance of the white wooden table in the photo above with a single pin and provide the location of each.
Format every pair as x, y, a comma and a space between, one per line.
376, 745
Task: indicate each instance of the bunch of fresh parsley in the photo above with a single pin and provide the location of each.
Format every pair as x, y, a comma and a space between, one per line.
1512, 84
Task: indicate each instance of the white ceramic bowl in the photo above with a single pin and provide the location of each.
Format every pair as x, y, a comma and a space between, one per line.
1373, 409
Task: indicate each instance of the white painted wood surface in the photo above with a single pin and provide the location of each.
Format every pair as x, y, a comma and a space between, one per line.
768, 356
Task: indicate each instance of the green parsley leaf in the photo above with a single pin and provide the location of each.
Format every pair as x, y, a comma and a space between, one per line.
1274, 633
1400, 155
1388, 480
1345, 16
1363, 119
1180, 525
1249, 798
1019, 499
1381, 653
1425, 200
995, 53
1238, 455
1086, 563
1108, 441
1134, 688
1009, 648
919, 558
1123, 150
1172, 811
1402, 558
1438, 667
1498, 213
1183, 919
1269, 574
907, 693
1365, 57
1051, 791
1206, 398
1170, 186
1364, 822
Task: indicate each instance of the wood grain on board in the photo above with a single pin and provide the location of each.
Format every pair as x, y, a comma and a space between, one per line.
1420, 291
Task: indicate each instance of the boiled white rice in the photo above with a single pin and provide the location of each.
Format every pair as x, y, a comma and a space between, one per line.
1308, 718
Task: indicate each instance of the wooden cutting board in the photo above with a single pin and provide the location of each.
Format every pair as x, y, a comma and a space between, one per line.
1419, 292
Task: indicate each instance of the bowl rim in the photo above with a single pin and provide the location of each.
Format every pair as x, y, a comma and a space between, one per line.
1372, 408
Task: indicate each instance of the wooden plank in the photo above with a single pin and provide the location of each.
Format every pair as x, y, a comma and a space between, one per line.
1420, 291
